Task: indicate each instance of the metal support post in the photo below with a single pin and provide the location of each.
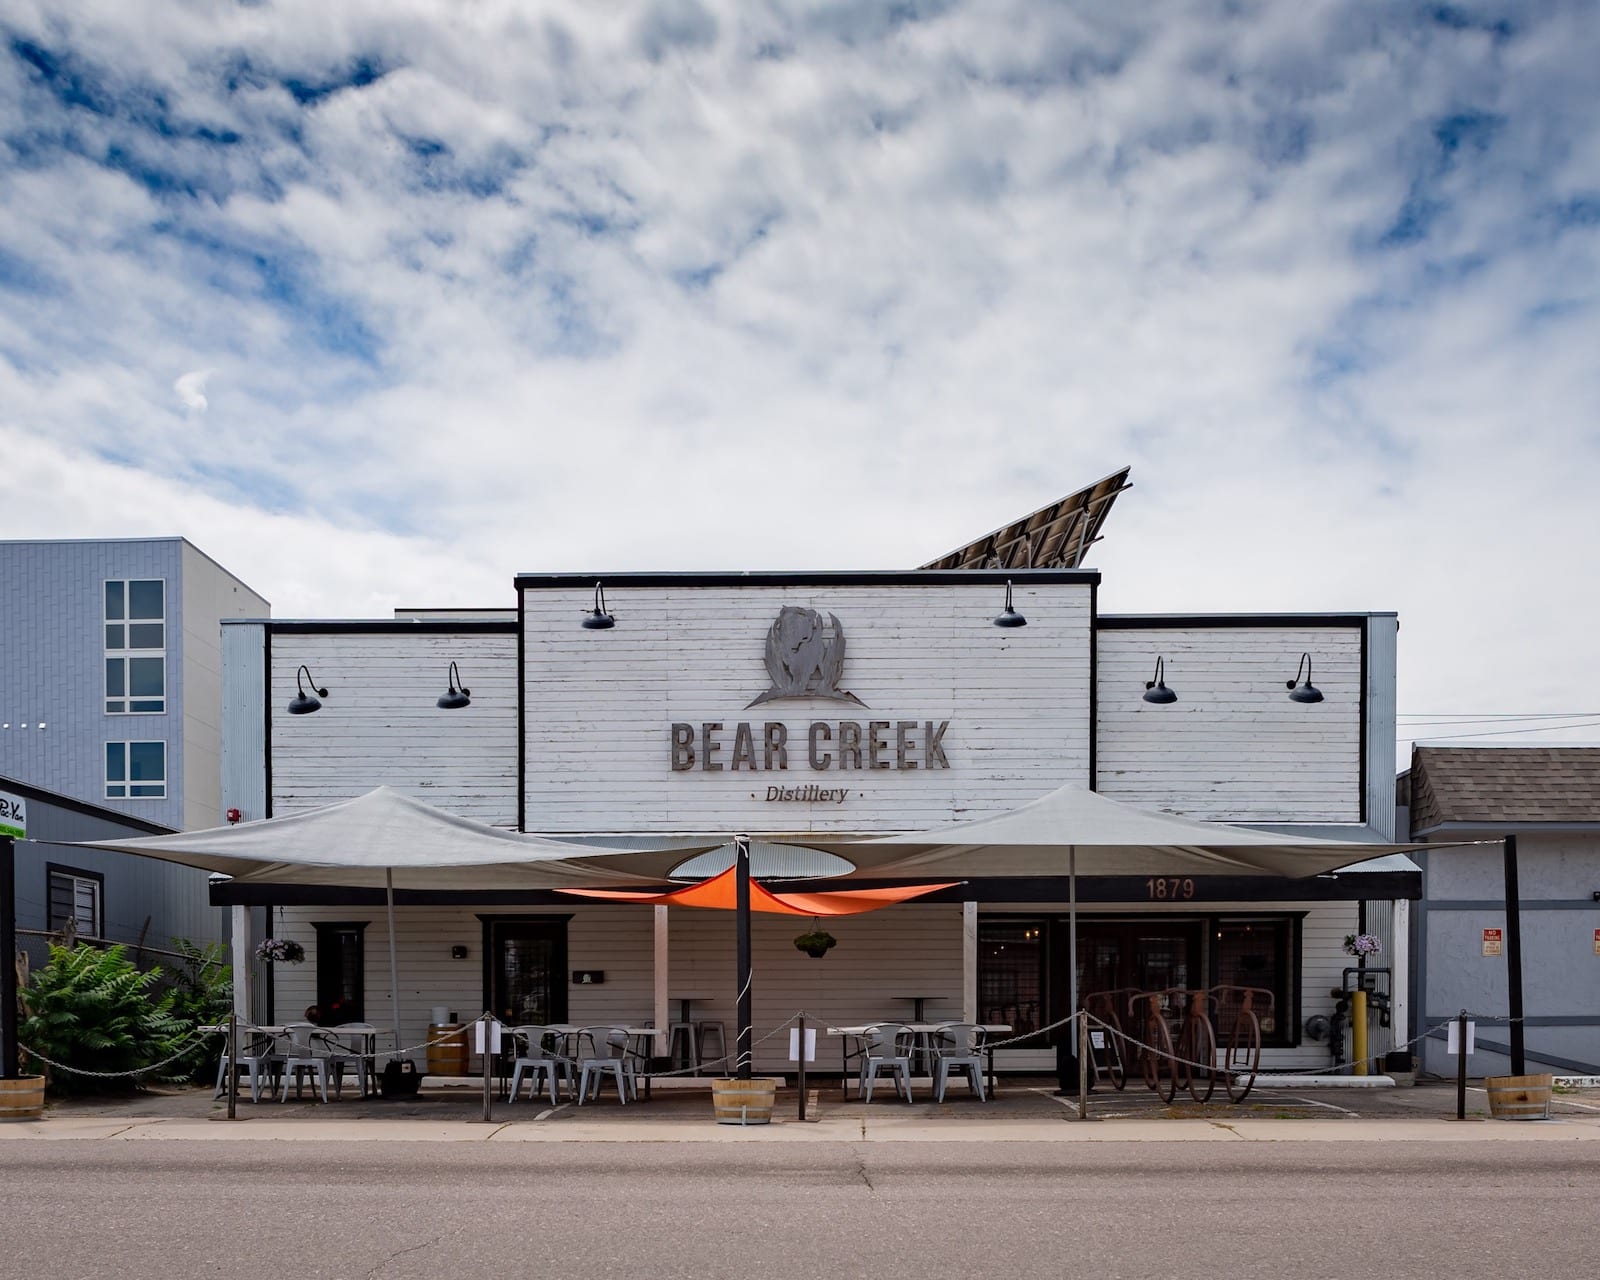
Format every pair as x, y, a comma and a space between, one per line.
233, 1065
802, 1080
9, 1062
1461, 1066
1519, 1065
1358, 1031
741, 845
486, 1022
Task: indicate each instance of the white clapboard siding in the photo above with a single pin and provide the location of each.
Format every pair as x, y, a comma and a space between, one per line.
600, 705
1233, 748
380, 724
907, 951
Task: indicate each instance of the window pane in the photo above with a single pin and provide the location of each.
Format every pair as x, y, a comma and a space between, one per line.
144, 599
147, 761
153, 791
114, 635
146, 677
113, 600
146, 635
114, 673
1011, 974
1255, 954
116, 762
116, 791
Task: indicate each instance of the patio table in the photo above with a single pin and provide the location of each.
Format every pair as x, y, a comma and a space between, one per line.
923, 1030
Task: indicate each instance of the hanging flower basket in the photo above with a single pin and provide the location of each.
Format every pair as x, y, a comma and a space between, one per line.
817, 943
1362, 945
280, 951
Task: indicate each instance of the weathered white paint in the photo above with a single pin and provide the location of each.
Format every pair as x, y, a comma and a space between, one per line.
600, 705
1233, 748
1400, 962
243, 945
1383, 636
380, 725
663, 976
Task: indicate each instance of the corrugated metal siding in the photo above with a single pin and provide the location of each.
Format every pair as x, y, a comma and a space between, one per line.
1233, 748
244, 758
53, 640
379, 725
600, 705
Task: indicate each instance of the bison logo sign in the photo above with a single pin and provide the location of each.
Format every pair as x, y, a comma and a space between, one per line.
805, 657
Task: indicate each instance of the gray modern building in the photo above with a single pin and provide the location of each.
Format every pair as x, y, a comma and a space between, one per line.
1549, 799
111, 673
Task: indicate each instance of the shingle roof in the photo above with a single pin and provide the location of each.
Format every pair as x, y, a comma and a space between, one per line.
1504, 784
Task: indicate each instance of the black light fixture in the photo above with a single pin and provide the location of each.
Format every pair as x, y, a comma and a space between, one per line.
1306, 692
457, 695
1009, 617
599, 619
303, 703
1156, 690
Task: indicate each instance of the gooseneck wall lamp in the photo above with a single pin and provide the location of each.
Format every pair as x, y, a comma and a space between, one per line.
1156, 690
303, 703
598, 619
1306, 692
1009, 617
457, 696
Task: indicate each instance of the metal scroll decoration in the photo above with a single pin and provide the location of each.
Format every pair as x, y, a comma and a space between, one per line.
805, 657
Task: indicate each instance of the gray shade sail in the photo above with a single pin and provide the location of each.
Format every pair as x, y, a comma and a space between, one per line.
356, 842
1109, 837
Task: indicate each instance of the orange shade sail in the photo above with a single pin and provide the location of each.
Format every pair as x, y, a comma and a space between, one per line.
720, 893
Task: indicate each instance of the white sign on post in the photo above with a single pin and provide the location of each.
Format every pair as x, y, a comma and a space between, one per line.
1453, 1042
794, 1044
1097, 1039
13, 816
494, 1029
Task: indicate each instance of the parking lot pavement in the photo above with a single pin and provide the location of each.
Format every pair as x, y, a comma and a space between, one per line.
1025, 1110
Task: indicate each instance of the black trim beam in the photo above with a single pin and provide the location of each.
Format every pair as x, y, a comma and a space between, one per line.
869, 578
1180, 621
387, 626
1126, 891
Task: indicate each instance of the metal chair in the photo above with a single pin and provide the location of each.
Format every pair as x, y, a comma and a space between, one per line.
341, 1047
683, 1046
607, 1055
958, 1045
703, 1031
537, 1060
305, 1054
259, 1056
887, 1048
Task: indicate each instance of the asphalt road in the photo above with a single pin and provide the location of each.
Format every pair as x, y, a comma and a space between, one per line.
657, 1211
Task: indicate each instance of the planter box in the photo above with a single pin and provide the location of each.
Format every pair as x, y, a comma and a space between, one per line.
22, 1098
1520, 1097
744, 1101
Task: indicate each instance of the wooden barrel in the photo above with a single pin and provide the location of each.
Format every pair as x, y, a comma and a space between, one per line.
22, 1098
1520, 1097
448, 1058
744, 1101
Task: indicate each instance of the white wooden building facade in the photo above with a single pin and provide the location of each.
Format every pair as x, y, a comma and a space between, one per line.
906, 709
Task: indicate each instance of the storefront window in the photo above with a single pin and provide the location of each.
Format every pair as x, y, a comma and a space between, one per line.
1256, 954
1011, 974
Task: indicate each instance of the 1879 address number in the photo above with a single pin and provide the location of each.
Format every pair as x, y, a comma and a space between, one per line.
1169, 888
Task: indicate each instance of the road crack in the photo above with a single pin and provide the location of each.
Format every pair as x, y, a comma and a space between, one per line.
383, 1262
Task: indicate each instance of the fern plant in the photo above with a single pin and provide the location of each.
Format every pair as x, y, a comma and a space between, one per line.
202, 995
94, 1010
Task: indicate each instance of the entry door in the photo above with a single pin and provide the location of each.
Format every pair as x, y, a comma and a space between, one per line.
527, 963
1149, 955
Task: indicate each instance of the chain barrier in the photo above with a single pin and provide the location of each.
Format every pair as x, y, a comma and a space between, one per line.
134, 1073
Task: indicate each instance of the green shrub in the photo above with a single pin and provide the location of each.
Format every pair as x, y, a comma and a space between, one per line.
92, 1009
202, 995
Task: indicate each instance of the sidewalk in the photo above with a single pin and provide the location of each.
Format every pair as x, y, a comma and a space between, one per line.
1026, 1111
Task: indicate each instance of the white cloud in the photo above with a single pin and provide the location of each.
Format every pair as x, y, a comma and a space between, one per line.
802, 285
191, 389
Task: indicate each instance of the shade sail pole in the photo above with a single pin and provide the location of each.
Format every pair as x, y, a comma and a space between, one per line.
394, 962
741, 853
1072, 934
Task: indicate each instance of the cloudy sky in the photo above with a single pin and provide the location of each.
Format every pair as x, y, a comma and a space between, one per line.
381, 302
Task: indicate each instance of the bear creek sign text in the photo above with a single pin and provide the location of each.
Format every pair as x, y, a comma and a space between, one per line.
828, 745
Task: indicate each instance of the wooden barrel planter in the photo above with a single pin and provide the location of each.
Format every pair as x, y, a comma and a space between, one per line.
22, 1098
744, 1101
450, 1057
1520, 1097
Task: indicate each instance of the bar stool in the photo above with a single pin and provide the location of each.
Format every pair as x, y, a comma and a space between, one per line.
712, 1027
681, 1045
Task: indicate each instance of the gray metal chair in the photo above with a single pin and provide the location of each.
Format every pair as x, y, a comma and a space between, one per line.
259, 1056
305, 1054
958, 1046
607, 1055
341, 1048
887, 1048
537, 1060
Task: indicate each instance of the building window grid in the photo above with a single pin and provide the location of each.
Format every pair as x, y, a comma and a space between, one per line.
76, 896
136, 770
135, 646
